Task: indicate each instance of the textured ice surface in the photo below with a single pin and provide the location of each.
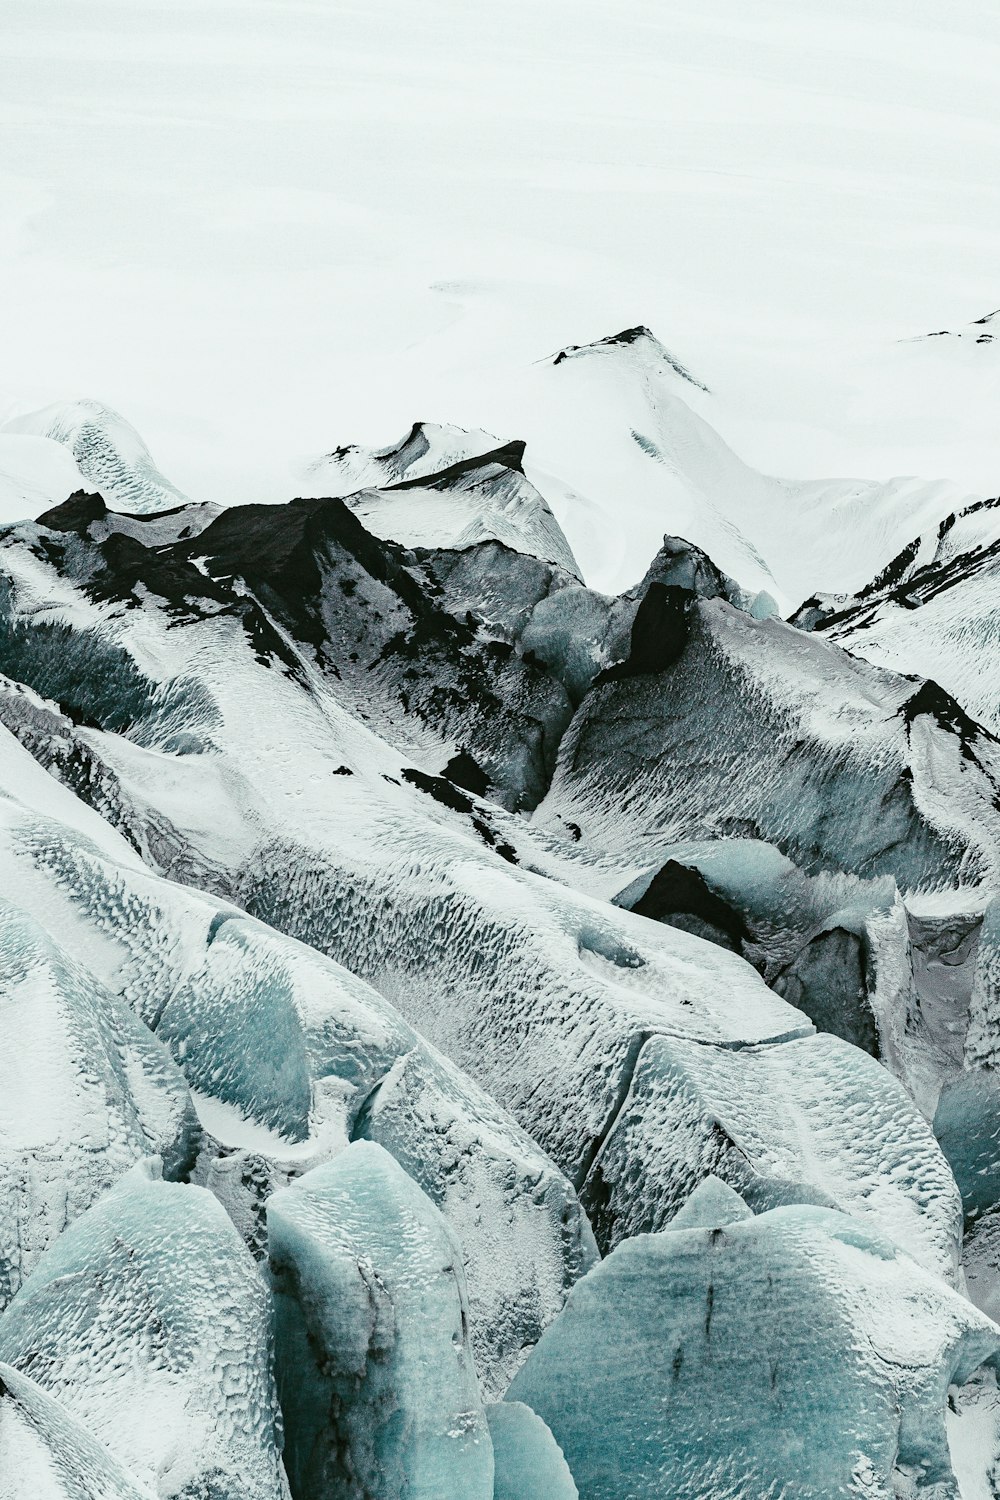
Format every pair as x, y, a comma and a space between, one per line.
528, 1463
796, 1353
375, 1372
508, 1206
712, 1205
45, 1454
148, 1322
806, 1121
85, 1091
367, 615
91, 515
284, 1035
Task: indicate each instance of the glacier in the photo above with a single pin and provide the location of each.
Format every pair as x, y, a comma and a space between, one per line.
491, 983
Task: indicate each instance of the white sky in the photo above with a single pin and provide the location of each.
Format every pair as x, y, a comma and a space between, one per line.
262, 227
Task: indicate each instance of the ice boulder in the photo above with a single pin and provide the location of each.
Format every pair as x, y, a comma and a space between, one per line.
148, 1323
286, 1036
509, 1206
290, 1041
794, 1353
86, 1091
810, 1120
46, 1455
528, 1461
375, 1370
712, 1205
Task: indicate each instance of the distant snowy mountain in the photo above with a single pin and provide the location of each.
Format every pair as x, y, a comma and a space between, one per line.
622, 423
108, 452
979, 331
442, 487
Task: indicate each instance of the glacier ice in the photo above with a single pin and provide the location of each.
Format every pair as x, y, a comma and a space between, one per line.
712, 1205
507, 1205
795, 1352
528, 1462
375, 1371
148, 1322
85, 1092
47, 1455
967, 1124
271, 1027
293, 1041
811, 1120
